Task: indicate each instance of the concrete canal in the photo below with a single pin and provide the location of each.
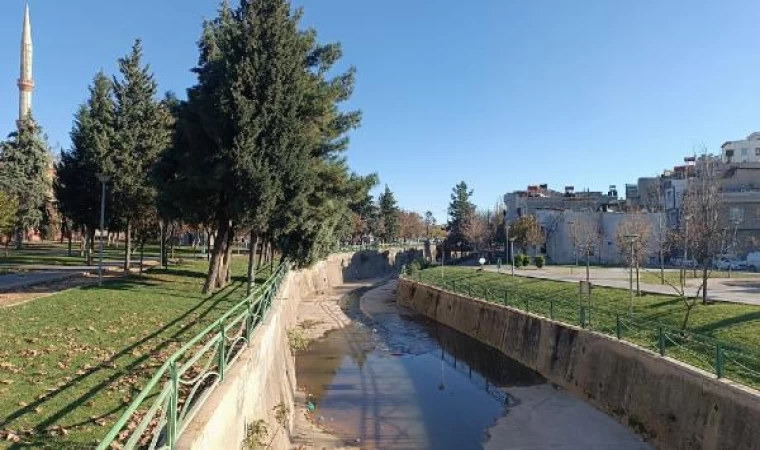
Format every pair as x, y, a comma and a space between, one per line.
392, 379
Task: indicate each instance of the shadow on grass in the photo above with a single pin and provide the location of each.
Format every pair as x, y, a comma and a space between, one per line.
712, 327
53, 419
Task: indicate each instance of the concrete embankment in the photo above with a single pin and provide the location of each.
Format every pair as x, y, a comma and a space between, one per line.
259, 389
672, 405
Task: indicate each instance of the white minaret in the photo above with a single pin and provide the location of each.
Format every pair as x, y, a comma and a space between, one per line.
25, 81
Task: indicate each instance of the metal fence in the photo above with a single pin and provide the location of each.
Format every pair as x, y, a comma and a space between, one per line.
723, 359
160, 413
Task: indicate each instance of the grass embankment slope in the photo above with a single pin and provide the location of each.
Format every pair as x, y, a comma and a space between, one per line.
734, 323
70, 363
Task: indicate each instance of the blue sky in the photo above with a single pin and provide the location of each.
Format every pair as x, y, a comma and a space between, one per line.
498, 93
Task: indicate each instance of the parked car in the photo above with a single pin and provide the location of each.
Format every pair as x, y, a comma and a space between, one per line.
690, 263
753, 261
725, 263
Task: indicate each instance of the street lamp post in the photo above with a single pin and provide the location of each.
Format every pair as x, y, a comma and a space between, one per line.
506, 235
632, 238
103, 180
685, 252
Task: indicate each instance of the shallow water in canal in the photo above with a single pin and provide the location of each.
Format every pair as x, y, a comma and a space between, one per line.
393, 379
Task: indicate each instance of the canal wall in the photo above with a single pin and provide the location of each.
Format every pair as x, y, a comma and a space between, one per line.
260, 387
672, 405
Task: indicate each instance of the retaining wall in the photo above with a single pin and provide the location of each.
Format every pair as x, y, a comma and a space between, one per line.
672, 405
263, 379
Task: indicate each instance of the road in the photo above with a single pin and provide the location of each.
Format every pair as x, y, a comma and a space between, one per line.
735, 290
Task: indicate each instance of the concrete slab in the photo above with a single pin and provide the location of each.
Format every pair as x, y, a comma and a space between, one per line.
543, 417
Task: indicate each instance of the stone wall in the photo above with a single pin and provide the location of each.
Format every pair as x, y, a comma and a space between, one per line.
672, 405
263, 379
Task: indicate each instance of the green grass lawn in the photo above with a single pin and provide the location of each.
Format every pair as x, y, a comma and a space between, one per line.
70, 363
735, 324
55, 253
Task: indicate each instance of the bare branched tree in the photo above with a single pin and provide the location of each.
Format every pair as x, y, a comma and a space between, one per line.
655, 203
587, 237
632, 237
703, 218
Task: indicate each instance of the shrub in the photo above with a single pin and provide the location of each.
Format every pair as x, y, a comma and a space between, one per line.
525, 260
540, 261
518, 261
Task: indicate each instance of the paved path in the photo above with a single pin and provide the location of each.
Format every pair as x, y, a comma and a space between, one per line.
736, 290
15, 281
36, 274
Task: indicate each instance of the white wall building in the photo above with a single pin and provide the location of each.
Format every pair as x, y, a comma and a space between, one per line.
560, 244
744, 151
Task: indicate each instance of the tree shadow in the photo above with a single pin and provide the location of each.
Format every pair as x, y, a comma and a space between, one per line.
53, 419
728, 322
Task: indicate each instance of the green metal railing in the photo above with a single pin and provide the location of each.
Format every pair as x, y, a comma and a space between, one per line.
159, 414
725, 360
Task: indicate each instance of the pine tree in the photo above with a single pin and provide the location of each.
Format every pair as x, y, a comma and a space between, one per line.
389, 215
26, 161
257, 142
142, 130
77, 187
461, 210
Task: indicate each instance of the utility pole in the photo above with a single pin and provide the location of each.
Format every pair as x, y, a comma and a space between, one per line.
507, 253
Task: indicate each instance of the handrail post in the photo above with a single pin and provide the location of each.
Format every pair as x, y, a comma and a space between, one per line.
222, 357
173, 405
506, 298
719, 360
582, 317
551, 309
661, 341
618, 327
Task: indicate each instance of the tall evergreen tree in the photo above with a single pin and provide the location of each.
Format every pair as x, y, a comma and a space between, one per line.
77, 187
257, 141
461, 211
142, 130
389, 215
26, 162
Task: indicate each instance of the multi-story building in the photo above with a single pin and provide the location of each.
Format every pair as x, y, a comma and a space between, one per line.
540, 198
562, 240
744, 151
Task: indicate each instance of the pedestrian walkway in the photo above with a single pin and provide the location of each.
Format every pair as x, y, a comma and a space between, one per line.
735, 290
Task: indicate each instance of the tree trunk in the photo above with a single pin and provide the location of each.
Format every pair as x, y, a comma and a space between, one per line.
588, 269
261, 254
686, 316
223, 277
162, 244
90, 246
142, 255
252, 247
271, 258
68, 232
128, 247
19, 238
662, 267
215, 255
704, 283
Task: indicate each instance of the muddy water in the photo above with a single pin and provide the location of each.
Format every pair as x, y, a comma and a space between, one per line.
393, 379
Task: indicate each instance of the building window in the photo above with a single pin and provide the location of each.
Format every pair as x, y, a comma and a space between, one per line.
757, 152
745, 151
